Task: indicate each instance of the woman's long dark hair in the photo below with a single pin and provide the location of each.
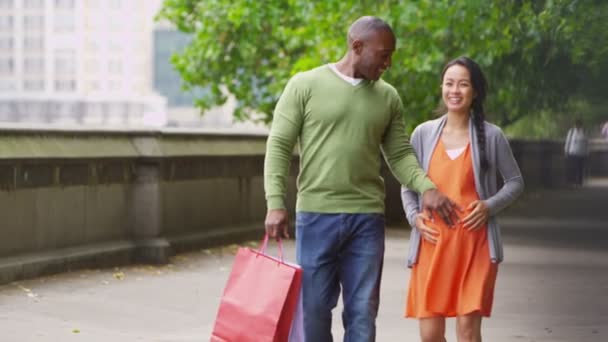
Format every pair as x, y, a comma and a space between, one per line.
478, 81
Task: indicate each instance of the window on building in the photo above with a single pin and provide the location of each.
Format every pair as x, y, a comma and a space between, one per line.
140, 45
64, 4
6, 43
115, 4
65, 66
115, 67
7, 66
33, 4
93, 85
6, 23
33, 85
91, 65
94, 4
66, 108
34, 108
5, 108
65, 62
118, 25
33, 22
33, 43
115, 46
95, 109
92, 45
7, 85
114, 85
96, 22
33, 65
64, 23
138, 85
65, 85
7, 4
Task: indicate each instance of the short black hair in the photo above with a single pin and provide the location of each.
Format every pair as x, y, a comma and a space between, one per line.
364, 26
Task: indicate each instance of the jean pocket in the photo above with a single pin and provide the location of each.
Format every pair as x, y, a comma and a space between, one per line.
304, 218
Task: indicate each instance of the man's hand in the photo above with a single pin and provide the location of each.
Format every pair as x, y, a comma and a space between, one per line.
428, 233
435, 201
277, 223
477, 217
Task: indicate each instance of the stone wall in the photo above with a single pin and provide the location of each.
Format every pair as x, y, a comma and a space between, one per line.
70, 199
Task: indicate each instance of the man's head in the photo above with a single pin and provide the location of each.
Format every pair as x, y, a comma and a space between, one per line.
371, 43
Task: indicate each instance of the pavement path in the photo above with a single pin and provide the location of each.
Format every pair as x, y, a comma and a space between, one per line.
553, 286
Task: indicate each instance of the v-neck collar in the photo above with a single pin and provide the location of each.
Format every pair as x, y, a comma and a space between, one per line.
363, 83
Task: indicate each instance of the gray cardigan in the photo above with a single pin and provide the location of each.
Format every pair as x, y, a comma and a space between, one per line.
500, 159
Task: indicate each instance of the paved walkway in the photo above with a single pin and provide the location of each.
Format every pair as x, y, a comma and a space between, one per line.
553, 286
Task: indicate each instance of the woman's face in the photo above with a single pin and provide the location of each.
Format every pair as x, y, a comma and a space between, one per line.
457, 90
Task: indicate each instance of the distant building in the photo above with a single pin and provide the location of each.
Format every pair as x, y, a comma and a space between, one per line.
78, 62
167, 81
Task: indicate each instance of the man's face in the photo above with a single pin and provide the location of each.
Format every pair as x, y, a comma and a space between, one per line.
374, 54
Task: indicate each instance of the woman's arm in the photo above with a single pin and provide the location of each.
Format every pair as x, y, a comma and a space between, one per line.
513, 181
409, 198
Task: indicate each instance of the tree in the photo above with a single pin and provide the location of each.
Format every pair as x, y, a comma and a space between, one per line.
536, 54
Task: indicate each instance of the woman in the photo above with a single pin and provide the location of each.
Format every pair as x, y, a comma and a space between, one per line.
454, 267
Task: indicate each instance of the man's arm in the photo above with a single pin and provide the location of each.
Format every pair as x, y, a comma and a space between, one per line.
402, 161
286, 125
400, 155
401, 158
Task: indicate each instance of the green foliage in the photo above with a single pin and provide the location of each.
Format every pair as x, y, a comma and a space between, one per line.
537, 55
555, 124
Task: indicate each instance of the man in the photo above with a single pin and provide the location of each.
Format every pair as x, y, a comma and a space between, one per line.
344, 117
576, 149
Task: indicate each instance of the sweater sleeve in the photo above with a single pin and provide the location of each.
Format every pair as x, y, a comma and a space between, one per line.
400, 155
513, 181
284, 132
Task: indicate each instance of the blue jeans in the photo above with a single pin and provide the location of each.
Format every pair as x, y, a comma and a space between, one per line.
340, 250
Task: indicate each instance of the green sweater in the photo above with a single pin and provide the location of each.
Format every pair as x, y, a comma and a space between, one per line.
342, 130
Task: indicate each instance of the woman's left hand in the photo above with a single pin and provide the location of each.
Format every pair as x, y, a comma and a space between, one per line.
477, 217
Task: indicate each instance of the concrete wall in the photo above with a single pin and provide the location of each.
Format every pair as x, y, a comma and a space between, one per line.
598, 159
70, 199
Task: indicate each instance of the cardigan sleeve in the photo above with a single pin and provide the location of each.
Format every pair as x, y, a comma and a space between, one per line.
513, 182
409, 198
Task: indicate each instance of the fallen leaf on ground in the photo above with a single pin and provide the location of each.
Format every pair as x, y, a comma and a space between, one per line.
27, 291
232, 249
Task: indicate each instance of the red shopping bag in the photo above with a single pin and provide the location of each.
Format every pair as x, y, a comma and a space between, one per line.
259, 300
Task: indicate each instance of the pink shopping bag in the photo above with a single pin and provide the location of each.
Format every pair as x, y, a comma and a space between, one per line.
259, 300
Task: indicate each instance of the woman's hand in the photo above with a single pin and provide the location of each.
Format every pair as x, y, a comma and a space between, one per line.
428, 233
477, 217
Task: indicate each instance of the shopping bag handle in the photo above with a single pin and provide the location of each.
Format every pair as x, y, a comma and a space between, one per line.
265, 243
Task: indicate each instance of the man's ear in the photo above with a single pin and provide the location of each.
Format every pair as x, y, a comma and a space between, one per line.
357, 46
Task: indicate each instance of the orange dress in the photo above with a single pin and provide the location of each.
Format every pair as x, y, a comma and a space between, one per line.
454, 277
